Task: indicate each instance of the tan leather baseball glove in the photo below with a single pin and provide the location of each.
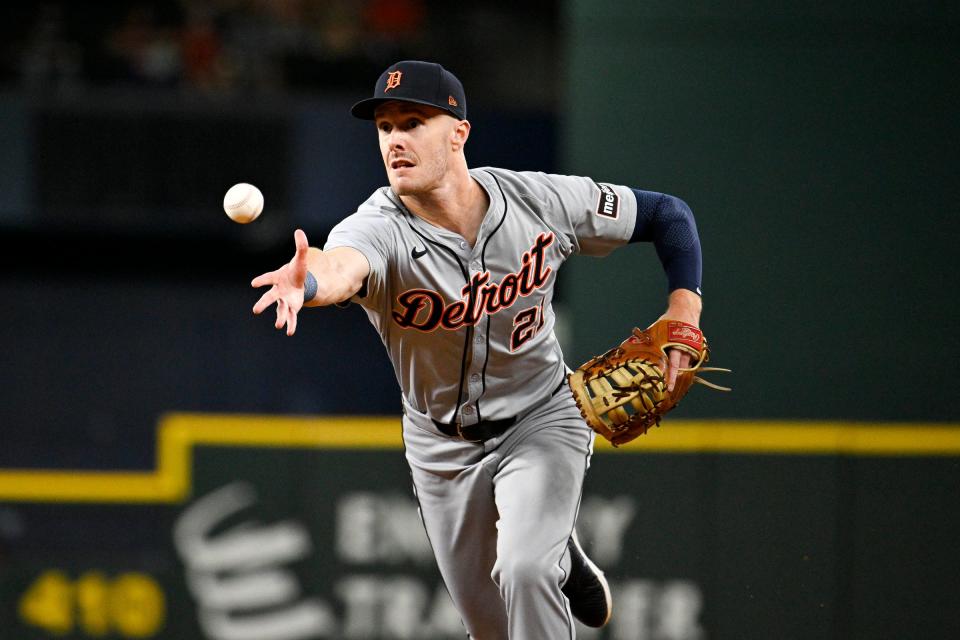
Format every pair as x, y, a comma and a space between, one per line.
623, 393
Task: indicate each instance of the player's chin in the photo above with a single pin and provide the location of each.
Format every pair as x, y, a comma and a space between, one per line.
404, 184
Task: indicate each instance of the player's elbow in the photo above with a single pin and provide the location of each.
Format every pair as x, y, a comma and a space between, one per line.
354, 285
677, 217
675, 209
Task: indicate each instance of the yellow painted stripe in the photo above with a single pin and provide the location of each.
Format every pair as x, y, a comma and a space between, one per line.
84, 486
797, 438
327, 432
179, 434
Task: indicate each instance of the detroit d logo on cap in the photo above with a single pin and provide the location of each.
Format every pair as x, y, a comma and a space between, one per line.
393, 80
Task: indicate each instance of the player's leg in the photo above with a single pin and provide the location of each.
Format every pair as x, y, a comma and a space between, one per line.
455, 493
538, 483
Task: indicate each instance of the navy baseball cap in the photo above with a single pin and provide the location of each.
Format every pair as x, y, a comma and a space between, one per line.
419, 82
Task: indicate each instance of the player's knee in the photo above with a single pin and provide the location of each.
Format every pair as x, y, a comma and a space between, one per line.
522, 571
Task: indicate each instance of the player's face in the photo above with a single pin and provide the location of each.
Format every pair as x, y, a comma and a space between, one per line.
415, 143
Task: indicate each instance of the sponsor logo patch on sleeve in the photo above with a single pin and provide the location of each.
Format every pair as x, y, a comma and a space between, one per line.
608, 205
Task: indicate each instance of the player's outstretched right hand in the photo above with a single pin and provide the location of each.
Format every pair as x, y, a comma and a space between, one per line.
286, 286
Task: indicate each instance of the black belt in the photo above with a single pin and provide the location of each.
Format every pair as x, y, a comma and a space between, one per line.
485, 429
480, 432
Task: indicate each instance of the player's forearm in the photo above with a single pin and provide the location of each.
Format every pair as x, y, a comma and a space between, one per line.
336, 281
668, 223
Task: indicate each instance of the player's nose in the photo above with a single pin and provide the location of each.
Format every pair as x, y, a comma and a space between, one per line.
395, 140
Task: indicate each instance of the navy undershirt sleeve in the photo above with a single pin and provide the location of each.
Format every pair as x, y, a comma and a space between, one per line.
668, 223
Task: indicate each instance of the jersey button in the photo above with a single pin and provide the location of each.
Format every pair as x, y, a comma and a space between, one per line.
463, 245
475, 377
479, 340
468, 411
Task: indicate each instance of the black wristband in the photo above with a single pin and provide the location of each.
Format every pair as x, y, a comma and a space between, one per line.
309, 287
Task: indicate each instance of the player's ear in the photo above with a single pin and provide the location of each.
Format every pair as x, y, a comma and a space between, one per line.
459, 134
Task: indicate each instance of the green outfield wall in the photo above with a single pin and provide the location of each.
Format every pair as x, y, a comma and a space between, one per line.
817, 147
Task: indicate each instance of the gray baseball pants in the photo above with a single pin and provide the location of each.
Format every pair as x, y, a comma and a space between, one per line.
498, 516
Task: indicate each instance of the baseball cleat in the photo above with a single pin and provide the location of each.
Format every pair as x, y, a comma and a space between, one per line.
587, 588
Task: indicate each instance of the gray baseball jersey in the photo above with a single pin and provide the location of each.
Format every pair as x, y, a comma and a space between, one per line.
469, 330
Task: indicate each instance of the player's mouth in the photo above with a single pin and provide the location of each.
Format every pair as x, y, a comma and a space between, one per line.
401, 163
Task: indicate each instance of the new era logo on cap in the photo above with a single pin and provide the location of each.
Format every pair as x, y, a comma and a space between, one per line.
418, 82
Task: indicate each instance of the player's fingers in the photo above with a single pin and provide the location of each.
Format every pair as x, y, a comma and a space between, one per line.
672, 369
291, 322
281, 314
266, 300
265, 279
300, 240
298, 266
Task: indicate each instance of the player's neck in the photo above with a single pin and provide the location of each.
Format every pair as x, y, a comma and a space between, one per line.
458, 205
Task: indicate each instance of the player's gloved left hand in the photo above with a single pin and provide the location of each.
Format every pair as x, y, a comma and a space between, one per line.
625, 391
286, 286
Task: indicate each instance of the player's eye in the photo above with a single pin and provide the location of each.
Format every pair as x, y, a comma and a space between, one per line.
384, 126
412, 124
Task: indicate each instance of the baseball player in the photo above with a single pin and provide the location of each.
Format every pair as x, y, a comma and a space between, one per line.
456, 269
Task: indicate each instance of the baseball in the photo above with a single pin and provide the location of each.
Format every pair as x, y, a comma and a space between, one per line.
243, 203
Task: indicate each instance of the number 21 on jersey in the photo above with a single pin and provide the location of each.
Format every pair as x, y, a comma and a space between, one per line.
526, 324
